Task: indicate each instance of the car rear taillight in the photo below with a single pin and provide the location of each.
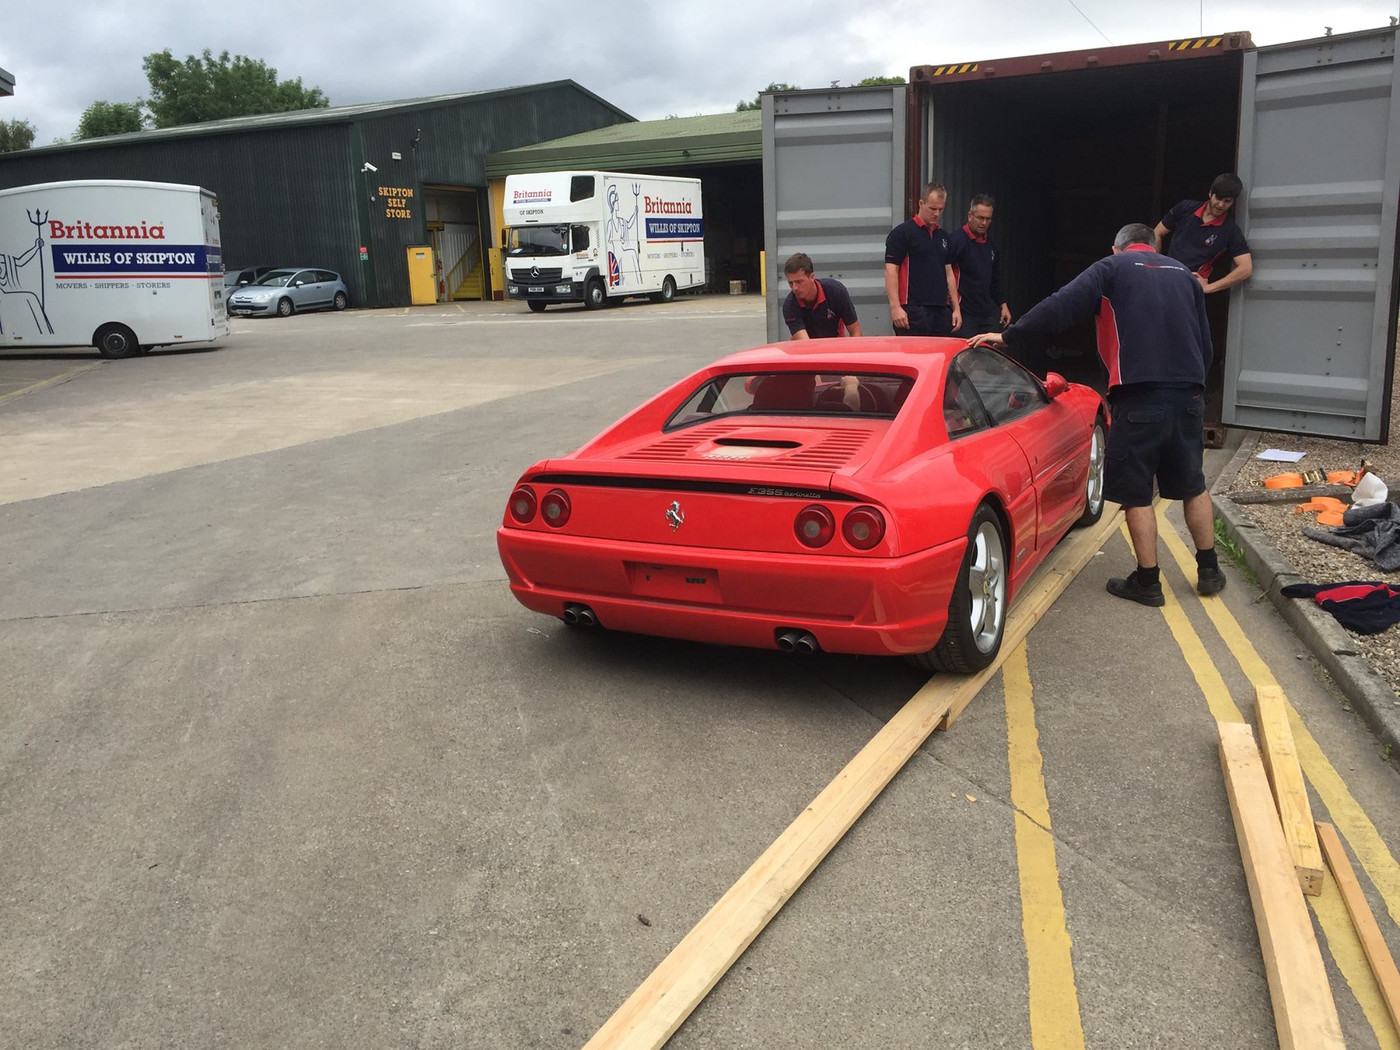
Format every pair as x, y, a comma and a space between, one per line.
863, 528
555, 508
814, 526
522, 504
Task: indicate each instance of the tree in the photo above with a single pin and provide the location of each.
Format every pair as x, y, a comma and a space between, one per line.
209, 88
876, 81
15, 135
110, 118
757, 102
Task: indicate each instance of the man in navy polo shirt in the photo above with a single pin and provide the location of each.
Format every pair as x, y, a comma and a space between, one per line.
919, 282
1204, 235
817, 307
978, 270
1155, 341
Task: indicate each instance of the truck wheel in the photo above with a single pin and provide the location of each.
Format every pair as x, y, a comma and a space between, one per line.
594, 295
536, 307
667, 293
115, 340
341, 301
285, 308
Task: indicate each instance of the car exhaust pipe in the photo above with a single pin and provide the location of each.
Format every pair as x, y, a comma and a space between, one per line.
792, 640
578, 615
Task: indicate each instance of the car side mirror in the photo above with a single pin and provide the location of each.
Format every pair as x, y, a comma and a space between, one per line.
296, 284
1055, 385
243, 282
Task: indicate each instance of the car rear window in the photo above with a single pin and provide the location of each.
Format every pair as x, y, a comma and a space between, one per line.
794, 394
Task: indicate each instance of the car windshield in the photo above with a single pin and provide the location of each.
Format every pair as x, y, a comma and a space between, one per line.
794, 393
277, 278
538, 240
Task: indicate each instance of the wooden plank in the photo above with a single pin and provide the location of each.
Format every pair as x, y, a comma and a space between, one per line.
663, 1001
1304, 1013
667, 997
1372, 943
1056, 573
1290, 792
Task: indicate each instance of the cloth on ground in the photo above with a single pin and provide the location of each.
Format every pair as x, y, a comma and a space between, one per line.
1372, 532
1363, 606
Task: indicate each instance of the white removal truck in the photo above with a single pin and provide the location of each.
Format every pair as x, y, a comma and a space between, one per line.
591, 236
122, 266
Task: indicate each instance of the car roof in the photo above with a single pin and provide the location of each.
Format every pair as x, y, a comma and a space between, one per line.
923, 356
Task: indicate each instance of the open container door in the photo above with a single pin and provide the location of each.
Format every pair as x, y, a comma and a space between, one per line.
1311, 333
833, 186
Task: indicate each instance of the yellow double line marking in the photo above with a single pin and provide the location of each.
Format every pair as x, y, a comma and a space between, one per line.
1347, 814
1054, 1001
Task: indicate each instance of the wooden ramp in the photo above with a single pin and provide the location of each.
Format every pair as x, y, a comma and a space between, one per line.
677, 986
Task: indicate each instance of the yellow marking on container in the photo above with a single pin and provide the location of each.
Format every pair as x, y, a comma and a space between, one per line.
1054, 1000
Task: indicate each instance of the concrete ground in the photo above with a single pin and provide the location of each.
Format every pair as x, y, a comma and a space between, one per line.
284, 764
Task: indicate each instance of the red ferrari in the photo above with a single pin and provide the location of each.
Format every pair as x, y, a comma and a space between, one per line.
883, 496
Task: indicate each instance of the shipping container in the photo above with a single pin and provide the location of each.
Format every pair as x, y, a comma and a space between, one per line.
1076, 144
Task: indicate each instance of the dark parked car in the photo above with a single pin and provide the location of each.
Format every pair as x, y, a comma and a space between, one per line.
285, 291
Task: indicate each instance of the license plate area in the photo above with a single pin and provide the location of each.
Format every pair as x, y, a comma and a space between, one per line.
535, 288
677, 583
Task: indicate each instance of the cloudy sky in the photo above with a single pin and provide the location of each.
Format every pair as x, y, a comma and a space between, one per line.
650, 59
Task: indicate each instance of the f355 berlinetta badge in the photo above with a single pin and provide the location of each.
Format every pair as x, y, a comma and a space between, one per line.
675, 517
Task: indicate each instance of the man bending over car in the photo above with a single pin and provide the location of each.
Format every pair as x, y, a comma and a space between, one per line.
1155, 342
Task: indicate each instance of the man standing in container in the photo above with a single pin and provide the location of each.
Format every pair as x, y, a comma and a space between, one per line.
919, 282
1204, 233
817, 307
978, 271
1155, 342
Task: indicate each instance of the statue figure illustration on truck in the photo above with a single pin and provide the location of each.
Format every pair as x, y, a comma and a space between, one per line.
19, 306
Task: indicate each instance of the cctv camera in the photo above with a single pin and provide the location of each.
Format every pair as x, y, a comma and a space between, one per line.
369, 167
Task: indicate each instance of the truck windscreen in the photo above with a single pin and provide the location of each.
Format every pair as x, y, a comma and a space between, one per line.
538, 240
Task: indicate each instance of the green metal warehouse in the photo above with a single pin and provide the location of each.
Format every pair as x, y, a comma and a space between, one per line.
351, 187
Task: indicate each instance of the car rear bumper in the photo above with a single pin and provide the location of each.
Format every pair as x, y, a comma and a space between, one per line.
874, 606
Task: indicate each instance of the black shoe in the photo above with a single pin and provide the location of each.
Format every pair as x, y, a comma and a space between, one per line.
1135, 591
1209, 580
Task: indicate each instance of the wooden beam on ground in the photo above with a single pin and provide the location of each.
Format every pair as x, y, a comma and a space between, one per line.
1058, 571
1304, 1012
1286, 780
681, 981
1372, 943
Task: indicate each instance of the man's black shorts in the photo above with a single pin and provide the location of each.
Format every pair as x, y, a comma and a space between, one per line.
978, 324
1157, 431
927, 320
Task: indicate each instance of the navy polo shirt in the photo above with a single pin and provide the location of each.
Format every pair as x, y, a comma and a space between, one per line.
978, 270
828, 317
1198, 244
920, 251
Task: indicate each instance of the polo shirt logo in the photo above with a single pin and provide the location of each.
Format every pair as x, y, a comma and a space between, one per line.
1210, 240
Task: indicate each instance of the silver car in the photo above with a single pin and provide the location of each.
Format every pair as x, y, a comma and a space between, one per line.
285, 291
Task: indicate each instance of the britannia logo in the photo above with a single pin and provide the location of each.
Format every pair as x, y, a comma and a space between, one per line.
675, 517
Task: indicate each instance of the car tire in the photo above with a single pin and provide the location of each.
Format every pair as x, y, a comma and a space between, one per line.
341, 301
595, 295
1093, 489
285, 308
536, 307
667, 293
116, 341
977, 609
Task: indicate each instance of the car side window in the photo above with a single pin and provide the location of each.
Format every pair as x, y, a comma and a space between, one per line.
962, 409
325, 275
1007, 390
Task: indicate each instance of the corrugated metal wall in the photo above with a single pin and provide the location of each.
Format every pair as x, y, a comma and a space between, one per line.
299, 195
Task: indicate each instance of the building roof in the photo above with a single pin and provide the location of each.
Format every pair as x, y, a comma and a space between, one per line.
677, 142
328, 115
7, 83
